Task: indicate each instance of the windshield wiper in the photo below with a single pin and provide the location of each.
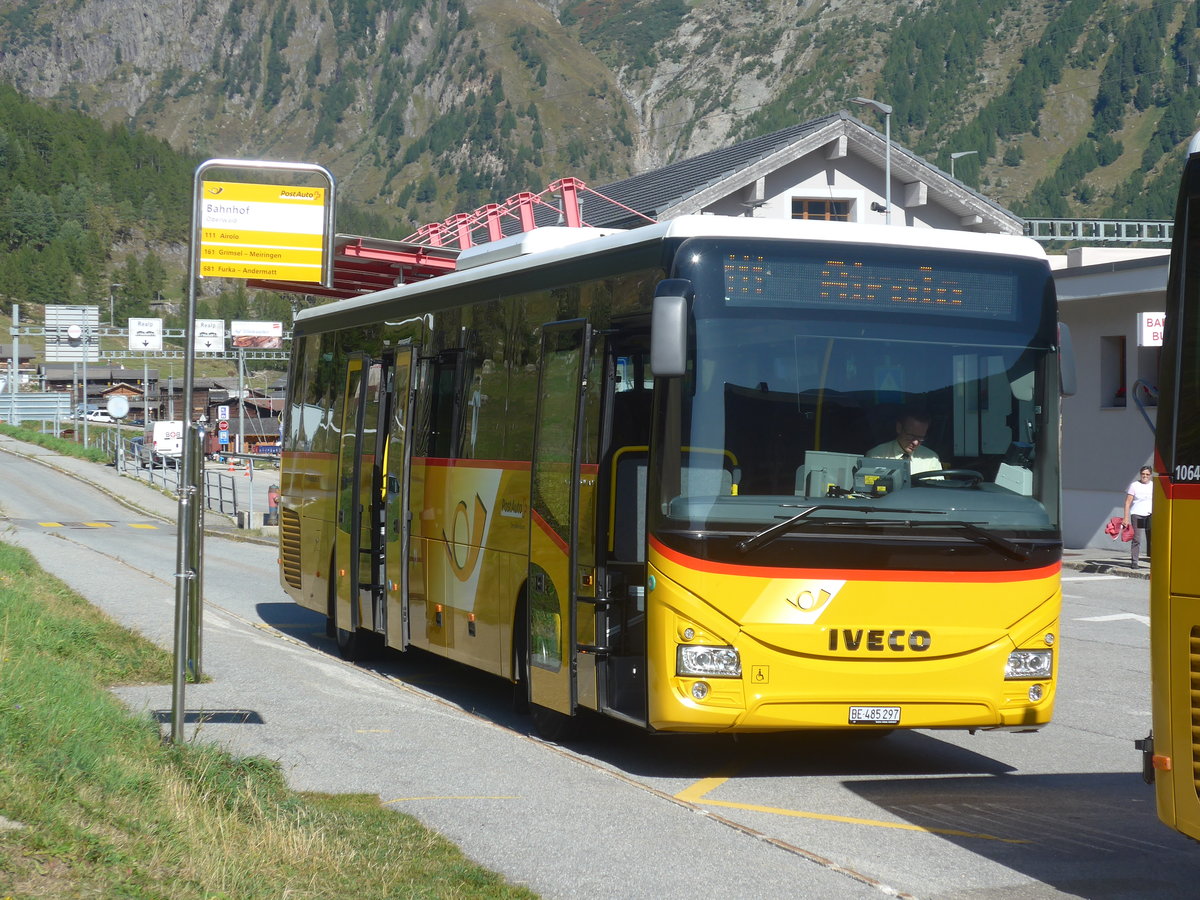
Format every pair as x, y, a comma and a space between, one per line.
985, 537
973, 531
769, 534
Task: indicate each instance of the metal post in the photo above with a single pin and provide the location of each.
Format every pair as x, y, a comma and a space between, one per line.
13, 366
884, 110
87, 337
887, 166
185, 555
196, 561
241, 448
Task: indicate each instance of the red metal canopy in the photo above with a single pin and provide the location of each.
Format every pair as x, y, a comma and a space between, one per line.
362, 265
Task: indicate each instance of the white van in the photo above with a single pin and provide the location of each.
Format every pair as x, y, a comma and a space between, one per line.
99, 415
166, 441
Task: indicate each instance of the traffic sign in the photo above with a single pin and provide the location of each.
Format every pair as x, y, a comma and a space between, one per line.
223, 425
145, 335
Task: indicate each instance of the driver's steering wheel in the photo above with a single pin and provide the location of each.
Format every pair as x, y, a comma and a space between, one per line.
968, 477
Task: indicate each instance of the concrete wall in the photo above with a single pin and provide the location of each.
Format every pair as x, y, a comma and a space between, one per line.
1103, 443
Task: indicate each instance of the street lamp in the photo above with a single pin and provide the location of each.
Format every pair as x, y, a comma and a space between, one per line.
111, 323
886, 111
959, 155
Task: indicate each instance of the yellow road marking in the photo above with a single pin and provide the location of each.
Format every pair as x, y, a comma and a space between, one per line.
700, 788
93, 525
696, 793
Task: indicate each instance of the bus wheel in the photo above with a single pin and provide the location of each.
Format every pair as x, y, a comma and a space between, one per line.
353, 645
553, 726
359, 645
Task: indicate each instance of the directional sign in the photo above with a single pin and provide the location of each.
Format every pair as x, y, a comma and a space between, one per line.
145, 335
210, 336
262, 231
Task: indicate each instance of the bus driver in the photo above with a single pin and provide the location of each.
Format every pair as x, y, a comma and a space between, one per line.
912, 425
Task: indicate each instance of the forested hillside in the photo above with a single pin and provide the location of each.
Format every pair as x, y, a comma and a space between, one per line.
426, 107
73, 193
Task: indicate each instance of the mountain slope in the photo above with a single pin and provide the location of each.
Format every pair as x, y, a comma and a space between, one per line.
425, 107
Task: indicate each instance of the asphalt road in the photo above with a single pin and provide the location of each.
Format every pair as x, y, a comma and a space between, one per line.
923, 814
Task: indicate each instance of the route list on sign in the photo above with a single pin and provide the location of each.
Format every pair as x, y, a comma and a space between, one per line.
263, 231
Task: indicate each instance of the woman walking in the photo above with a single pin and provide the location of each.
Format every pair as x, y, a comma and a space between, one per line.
1138, 499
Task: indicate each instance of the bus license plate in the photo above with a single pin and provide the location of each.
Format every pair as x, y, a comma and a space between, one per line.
874, 715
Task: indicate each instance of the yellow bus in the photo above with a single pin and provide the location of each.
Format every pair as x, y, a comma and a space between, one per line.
632, 472
1172, 752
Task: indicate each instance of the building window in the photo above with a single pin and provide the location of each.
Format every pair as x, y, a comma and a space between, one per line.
1112, 370
828, 210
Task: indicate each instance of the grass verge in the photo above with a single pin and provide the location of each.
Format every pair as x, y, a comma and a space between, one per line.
105, 809
58, 445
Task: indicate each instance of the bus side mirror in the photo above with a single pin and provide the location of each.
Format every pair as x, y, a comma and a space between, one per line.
1066, 362
669, 330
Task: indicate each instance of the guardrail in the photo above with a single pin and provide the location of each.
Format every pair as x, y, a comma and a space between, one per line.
1132, 231
132, 457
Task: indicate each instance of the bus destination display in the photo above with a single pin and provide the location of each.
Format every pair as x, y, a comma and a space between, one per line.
866, 284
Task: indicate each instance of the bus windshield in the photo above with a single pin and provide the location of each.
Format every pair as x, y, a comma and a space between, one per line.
808, 372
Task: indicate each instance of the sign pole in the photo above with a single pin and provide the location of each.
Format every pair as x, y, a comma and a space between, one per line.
238, 231
14, 366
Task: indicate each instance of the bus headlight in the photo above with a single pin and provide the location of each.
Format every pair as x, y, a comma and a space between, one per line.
1022, 664
708, 662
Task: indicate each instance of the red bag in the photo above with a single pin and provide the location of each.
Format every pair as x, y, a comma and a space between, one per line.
1116, 529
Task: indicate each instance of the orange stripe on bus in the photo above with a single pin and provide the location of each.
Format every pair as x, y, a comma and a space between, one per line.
451, 463
550, 532
1180, 491
716, 568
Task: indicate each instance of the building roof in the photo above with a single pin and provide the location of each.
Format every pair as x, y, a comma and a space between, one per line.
27, 353
95, 372
688, 186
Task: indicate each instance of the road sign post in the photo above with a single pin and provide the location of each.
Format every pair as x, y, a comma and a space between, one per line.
239, 230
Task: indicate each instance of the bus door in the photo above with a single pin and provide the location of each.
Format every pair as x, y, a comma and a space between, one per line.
397, 517
359, 540
558, 582
628, 396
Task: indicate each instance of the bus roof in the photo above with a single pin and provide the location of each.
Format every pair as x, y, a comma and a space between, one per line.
549, 245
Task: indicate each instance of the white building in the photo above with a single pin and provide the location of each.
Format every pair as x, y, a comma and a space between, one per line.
1103, 296
830, 168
